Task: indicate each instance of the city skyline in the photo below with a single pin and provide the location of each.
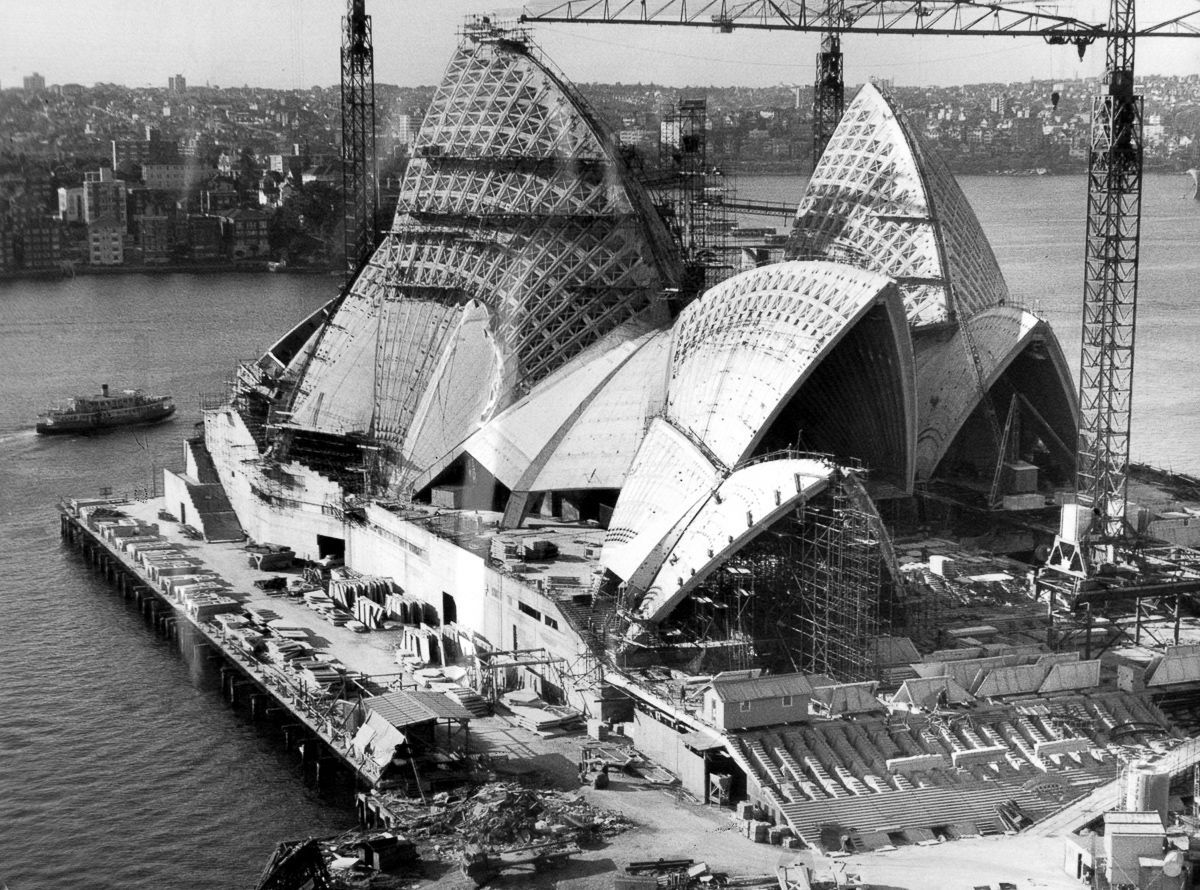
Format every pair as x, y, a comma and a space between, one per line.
293, 44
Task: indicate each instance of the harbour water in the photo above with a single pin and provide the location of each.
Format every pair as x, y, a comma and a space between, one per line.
121, 765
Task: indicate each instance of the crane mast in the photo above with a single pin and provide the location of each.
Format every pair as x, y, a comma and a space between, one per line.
829, 92
1092, 528
358, 136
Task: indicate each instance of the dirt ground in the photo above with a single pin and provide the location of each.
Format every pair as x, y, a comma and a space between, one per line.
667, 825
962, 865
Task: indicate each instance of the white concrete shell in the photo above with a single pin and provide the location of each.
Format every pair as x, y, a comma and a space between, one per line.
669, 480
515, 206
579, 428
741, 351
743, 506
752, 350
1001, 336
880, 199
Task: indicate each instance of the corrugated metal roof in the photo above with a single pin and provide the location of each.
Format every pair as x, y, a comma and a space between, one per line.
849, 698
1071, 675
403, 708
1018, 680
926, 691
443, 705
774, 686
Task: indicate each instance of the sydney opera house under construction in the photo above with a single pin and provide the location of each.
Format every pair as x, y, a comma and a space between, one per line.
730, 517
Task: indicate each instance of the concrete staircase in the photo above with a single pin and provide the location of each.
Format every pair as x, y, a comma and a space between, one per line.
210, 511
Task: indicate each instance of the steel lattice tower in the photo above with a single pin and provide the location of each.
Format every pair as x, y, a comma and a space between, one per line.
1110, 284
829, 92
358, 135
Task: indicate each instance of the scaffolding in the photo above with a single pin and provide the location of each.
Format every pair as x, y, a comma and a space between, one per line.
691, 199
808, 594
839, 588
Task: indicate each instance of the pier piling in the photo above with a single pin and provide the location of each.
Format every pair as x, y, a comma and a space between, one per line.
240, 674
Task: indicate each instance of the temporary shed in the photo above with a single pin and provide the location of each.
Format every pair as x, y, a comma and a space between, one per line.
927, 693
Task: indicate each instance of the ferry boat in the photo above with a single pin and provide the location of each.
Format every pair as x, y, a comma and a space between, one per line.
83, 414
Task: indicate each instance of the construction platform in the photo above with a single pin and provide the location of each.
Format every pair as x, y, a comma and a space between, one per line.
200, 592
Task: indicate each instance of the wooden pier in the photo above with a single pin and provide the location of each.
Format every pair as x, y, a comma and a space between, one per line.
267, 692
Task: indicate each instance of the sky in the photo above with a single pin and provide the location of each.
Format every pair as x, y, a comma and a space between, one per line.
293, 44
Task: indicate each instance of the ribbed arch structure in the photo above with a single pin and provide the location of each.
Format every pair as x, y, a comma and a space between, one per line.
744, 348
1006, 339
518, 241
743, 506
880, 199
739, 354
580, 426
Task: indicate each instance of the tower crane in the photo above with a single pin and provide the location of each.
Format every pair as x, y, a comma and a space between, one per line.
360, 197
1093, 529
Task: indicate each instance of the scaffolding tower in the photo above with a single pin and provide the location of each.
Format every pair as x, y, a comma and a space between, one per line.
839, 587
808, 594
692, 198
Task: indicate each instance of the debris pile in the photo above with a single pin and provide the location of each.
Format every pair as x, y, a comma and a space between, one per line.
501, 815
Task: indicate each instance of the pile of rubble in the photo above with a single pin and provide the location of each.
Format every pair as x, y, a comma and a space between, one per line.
502, 815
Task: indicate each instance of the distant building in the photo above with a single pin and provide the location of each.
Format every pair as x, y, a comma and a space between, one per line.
246, 233
219, 195
177, 84
154, 238
405, 128
35, 83
168, 177
204, 237
330, 174
670, 131
104, 195
106, 241
8, 252
39, 242
288, 165
151, 150
637, 138
70, 204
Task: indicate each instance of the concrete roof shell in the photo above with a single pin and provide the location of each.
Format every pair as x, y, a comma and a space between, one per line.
738, 354
514, 199
882, 200
944, 402
580, 427
745, 347
744, 505
669, 480
598, 448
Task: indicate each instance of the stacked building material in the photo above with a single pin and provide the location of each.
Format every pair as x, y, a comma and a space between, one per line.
370, 613
346, 585
530, 712
315, 675
206, 604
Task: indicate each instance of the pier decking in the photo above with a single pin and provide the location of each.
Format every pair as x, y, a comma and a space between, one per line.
366, 662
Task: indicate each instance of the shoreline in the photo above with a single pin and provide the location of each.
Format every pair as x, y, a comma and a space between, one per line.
61, 274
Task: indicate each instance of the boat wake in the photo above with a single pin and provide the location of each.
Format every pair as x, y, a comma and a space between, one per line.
20, 436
